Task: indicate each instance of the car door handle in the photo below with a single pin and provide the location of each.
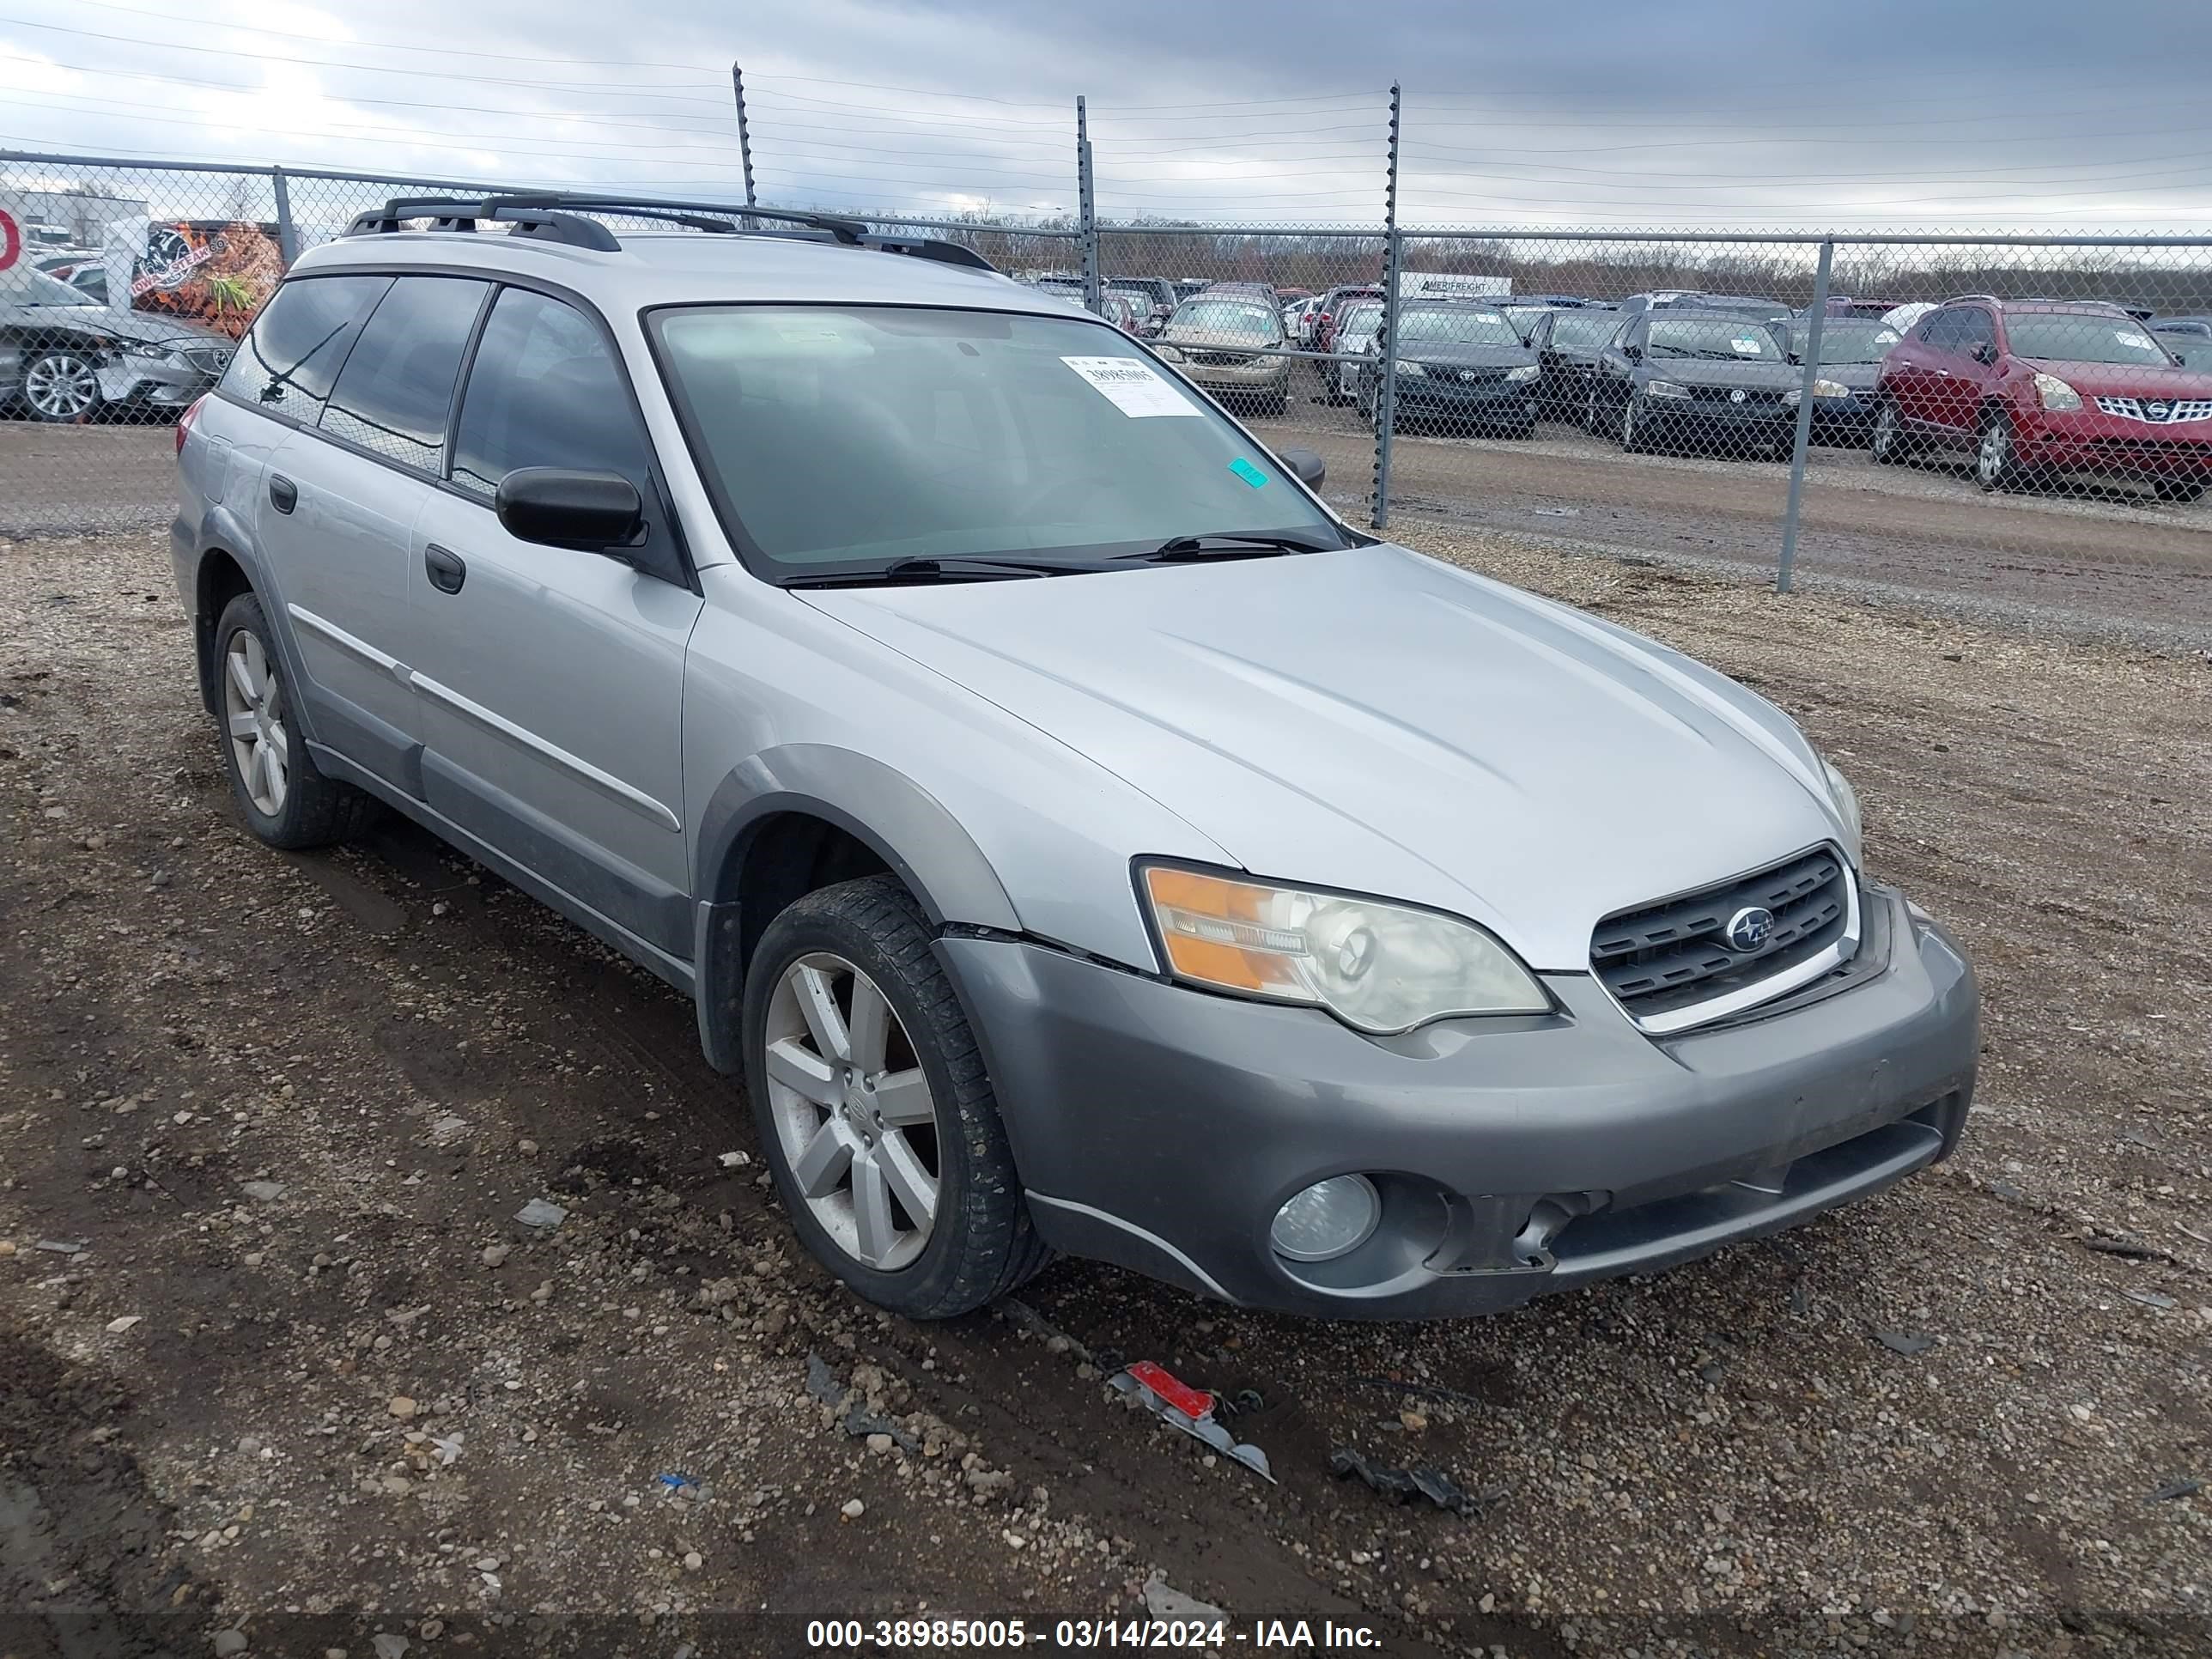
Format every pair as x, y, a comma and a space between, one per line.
447, 570
283, 494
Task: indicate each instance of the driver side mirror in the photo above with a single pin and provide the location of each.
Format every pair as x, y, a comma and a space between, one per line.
1986, 352
1306, 464
565, 506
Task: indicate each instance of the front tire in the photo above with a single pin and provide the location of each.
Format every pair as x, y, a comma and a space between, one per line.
1997, 462
874, 1109
62, 385
1635, 436
1888, 445
284, 796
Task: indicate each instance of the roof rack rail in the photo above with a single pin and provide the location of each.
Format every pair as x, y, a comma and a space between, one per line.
553, 216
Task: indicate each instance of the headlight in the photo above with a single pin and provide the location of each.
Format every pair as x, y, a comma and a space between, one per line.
1526, 372
2054, 394
1405, 368
1831, 389
1666, 389
1377, 967
1169, 353
1847, 808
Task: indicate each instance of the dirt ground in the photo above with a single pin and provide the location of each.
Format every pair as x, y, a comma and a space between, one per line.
280, 1371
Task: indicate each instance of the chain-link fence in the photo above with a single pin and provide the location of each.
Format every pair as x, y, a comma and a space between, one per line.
2016, 423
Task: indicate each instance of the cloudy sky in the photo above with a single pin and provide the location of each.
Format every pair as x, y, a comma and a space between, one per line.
2030, 114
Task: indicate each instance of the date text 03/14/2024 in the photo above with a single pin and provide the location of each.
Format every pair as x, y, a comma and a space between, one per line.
942, 1634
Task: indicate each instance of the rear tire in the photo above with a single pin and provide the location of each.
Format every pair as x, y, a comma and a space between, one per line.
869, 939
284, 796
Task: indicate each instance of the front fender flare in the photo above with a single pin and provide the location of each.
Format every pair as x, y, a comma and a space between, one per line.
879, 806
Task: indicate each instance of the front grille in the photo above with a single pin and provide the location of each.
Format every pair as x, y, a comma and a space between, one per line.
1222, 359
1665, 958
2157, 411
1723, 394
209, 360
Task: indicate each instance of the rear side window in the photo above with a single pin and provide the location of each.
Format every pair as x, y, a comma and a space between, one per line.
288, 362
545, 391
396, 388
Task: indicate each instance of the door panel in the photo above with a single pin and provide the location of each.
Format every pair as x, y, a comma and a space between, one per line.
552, 680
551, 684
340, 559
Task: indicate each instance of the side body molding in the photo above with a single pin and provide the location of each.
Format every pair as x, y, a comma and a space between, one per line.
906, 826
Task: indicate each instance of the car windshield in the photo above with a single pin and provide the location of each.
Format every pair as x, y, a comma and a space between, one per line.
1359, 318
840, 439
1846, 341
40, 289
1524, 318
2084, 337
1217, 316
1584, 328
1438, 326
1709, 337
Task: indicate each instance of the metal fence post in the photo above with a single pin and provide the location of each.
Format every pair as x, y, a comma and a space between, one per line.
745, 133
1394, 265
1813, 322
287, 233
1086, 208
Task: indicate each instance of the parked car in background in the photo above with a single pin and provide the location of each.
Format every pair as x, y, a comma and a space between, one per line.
2189, 339
1356, 323
64, 357
1852, 348
1681, 299
1300, 317
2033, 389
1719, 382
1902, 318
1213, 337
1567, 345
1462, 366
1845, 305
1333, 304
1125, 310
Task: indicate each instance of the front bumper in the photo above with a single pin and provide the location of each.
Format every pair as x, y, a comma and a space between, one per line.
1718, 422
152, 382
1255, 374
2112, 445
1161, 1128
1431, 398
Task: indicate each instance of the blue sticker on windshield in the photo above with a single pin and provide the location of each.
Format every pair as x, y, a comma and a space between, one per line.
1251, 474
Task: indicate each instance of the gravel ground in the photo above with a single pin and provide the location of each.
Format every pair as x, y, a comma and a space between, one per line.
301, 1380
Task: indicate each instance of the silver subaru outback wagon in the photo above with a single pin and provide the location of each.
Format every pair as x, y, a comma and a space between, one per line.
1075, 835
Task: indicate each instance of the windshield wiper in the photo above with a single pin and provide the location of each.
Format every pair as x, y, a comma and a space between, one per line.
1226, 545
951, 570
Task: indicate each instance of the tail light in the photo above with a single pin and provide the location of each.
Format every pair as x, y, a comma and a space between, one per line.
184, 422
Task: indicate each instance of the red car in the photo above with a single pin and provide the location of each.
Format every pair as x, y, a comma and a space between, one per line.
2033, 387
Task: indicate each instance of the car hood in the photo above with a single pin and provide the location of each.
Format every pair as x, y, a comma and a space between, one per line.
1859, 377
141, 327
1214, 339
1443, 354
2126, 380
1712, 371
1374, 720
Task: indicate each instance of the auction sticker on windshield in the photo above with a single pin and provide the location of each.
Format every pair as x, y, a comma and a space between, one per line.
1746, 346
1131, 386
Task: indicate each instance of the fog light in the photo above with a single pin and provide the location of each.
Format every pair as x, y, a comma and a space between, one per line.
1327, 1220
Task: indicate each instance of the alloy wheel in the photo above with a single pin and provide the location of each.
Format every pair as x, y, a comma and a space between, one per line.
1994, 460
1885, 432
62, 386
852, 1111
1628, 422
253, 720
